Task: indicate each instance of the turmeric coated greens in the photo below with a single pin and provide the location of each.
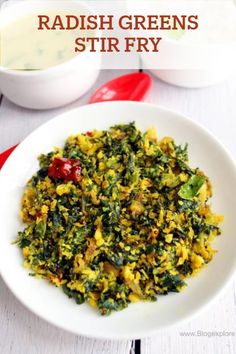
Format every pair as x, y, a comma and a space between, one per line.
117, 216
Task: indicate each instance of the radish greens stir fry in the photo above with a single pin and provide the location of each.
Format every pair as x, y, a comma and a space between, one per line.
117, 216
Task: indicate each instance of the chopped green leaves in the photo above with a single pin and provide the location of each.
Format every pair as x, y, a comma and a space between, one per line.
129, 229
40, 228
172, 282
191, 188
79, 298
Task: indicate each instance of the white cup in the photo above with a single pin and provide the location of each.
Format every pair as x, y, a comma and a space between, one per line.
53, 87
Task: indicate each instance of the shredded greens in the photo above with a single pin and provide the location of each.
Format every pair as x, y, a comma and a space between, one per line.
133, 226
190, 189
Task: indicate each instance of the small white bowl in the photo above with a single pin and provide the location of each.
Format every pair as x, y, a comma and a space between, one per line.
219, 64
208, 55
55, 86
195, 59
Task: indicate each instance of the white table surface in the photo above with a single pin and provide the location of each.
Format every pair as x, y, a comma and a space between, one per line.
21, 332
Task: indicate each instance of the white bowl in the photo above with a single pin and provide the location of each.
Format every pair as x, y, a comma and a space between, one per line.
193, 59
197, 78
192, 78
197, 64
57, 85
139, 319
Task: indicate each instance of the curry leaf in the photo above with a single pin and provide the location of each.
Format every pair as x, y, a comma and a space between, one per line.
40, 228
189, 189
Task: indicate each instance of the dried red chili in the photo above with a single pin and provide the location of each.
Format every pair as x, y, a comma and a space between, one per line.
66, 169
90, 134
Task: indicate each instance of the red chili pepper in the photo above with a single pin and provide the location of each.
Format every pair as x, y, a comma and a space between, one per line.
39, 214
63, 168
90, 134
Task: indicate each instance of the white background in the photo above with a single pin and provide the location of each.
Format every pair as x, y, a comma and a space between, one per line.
23, 333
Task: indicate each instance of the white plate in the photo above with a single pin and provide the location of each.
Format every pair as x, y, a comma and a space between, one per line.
140, 319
